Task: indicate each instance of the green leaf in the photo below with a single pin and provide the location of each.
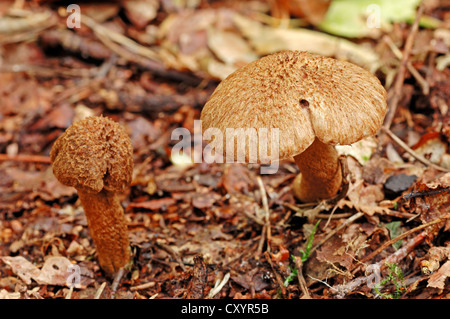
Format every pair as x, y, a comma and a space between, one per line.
291, 276
305, 254
394, 231
359, 18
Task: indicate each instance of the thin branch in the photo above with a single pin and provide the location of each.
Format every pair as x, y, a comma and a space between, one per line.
147, 285
337, 229
411, 152
405, 234
277, 275
99, 291
218, 286
301, 278
266, 211
25, 158
399, 55
343, 289
402, 69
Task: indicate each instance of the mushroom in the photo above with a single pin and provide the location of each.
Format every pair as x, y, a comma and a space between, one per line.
315, 102
95, 156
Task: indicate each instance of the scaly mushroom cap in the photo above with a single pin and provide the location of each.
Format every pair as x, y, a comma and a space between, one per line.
93, 154
303, 95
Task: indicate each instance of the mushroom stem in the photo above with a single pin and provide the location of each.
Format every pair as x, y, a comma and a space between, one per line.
320, 176
108, 228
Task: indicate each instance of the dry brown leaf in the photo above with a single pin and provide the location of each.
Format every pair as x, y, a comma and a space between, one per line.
204, 200
432, 201
185, 37
9, 295
437, 280
268, 40
344, 249
365, 198
55, 271
141, 12
236, 179
313, 11
433, 148
22, 268
154, 204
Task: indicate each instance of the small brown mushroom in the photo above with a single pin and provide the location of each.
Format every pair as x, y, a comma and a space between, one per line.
95, 156
316, 102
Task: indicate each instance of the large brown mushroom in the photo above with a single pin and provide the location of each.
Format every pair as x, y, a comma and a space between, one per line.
316, 102
95, 156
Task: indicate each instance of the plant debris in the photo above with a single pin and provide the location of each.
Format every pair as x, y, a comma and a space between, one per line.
222, 230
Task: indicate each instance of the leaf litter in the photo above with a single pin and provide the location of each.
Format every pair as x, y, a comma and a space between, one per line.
201, 230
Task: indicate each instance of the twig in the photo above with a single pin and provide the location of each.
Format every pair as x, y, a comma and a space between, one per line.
342, 290
25, 158
175, 255
13, 29
262, 239
135, 52
419, 78
119, 38
69, 294
402, 69
301, 278
263, 197
411, 152
330, 216
116, 281
218, 286
277, 275
43, 71
427, 193
405, 234
143, 286
99, 291
337, 229
266, 211
77, 93
321, 216
404, 251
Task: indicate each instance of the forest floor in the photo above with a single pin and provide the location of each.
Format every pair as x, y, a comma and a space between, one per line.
217, 231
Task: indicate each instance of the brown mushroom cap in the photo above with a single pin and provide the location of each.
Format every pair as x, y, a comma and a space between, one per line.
93, 154
304, 95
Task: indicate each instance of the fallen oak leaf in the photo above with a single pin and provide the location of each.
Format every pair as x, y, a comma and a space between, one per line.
24, 269
57, 271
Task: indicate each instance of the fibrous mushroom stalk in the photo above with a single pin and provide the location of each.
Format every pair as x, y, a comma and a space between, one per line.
320, 173
95, 156
108, 228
